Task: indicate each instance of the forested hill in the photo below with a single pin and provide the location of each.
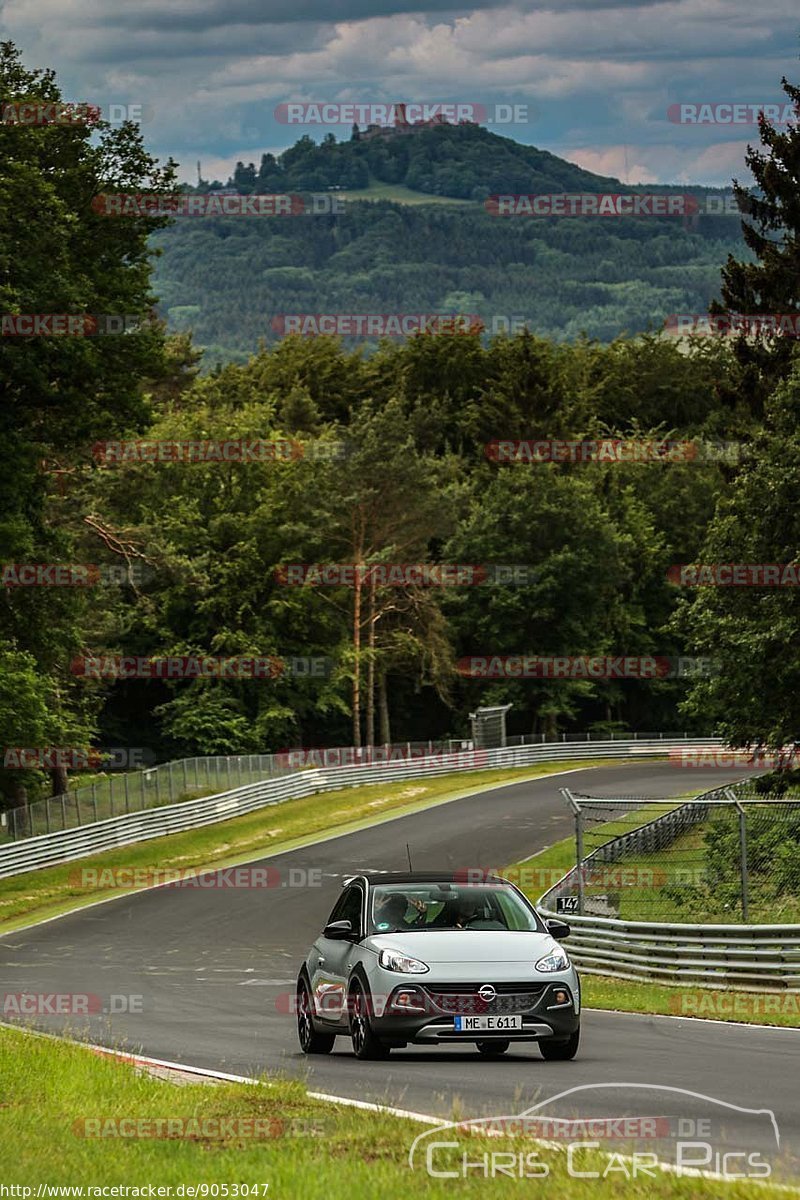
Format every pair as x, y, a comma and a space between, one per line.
466, 162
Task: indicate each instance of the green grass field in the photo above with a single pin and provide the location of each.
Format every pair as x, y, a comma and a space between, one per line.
399, 193
70, 1118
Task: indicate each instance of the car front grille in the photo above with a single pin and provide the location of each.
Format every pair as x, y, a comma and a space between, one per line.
465, 998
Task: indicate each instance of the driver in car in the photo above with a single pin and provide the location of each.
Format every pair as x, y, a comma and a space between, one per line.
390, 912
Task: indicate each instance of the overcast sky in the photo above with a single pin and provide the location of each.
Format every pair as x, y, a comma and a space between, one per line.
597, 77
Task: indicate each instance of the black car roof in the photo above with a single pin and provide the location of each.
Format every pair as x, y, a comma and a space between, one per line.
392, 877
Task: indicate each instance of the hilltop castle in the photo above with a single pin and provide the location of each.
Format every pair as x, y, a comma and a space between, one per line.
403, 125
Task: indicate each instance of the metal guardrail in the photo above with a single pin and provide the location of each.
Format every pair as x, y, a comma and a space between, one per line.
762, 958
111, 794
746, 958
68, 844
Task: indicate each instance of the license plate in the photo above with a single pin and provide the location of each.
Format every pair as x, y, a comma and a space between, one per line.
486, 1024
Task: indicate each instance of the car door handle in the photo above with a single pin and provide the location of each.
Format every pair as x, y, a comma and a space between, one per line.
320, 960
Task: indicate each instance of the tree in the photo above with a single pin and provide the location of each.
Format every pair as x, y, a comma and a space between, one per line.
60, 254
244, 178
771, 284
751, 631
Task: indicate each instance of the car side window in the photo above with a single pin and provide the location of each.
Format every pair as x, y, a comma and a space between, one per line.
348, 908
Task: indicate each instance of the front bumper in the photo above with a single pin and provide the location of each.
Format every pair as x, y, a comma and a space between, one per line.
544, 1013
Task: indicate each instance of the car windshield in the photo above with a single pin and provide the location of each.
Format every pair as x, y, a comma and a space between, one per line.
449, 906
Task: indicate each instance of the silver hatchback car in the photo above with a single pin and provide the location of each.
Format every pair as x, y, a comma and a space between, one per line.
438, 959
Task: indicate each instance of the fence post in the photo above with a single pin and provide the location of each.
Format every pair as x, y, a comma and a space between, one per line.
568, 796
742, 854
185, 782
127, 796
171, 792
94, 799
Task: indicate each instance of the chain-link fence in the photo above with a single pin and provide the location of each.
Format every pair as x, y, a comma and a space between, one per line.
731, 855
111, 795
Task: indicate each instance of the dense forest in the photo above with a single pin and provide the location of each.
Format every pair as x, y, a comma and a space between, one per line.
375, 459
230, 280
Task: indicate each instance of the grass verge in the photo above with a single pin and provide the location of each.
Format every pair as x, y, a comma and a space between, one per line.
37, 895
53, 1092
399, 193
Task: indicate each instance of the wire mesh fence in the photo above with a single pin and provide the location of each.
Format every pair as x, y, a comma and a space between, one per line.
112, 795
728, 856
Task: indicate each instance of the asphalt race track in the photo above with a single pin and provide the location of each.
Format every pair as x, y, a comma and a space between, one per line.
214, 969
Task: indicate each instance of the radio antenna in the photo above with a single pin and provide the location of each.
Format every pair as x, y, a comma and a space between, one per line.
408, 852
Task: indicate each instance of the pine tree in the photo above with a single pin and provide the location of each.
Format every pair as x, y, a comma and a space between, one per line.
771, 284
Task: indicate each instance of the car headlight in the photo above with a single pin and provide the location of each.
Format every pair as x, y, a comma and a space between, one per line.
557, 961
392, 960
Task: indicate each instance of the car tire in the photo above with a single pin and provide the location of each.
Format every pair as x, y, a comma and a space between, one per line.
561, 1050
365, 1044
311, 1042
491, 1049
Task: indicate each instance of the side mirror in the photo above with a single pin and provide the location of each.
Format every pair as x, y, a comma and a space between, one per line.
558, 929
338, 930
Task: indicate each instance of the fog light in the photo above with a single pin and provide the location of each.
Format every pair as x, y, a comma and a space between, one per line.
407, 1000
560, 998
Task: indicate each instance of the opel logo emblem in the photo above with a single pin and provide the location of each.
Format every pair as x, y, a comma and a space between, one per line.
487, 993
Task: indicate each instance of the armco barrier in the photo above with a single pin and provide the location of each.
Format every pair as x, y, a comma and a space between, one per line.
748, 958
65, 845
